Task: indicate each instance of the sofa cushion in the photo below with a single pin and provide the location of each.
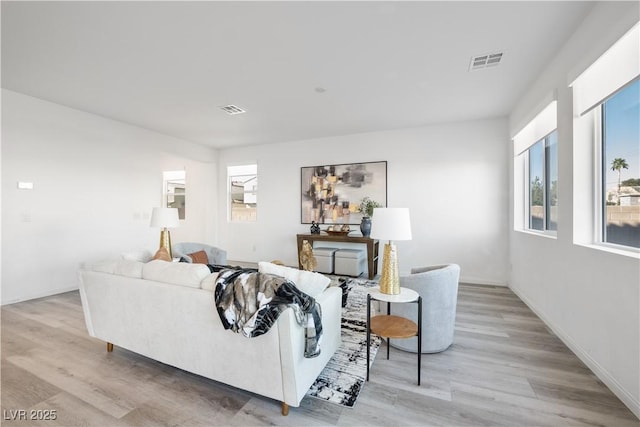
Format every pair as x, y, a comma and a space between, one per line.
121, 267
141, 255
312, 284
129, 269
175, 273
199, 257
209, 282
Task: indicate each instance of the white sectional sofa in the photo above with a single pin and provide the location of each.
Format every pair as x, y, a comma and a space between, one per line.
166, 311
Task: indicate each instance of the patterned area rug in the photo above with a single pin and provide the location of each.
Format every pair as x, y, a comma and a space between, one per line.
342, 379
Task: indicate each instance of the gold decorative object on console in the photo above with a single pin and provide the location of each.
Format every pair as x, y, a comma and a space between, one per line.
165, 218
337, 230
390, 224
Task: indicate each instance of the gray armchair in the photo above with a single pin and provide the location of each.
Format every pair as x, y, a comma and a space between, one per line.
215, 255
438, 287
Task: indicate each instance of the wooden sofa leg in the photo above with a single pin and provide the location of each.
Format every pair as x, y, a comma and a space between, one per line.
109, 347
285, 409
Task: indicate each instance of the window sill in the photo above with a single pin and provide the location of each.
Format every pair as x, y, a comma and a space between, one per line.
547, 234
613, 249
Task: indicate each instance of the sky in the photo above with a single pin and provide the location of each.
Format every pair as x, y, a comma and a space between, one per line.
622, 133
536, 159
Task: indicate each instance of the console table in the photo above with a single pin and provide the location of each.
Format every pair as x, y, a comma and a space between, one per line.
372, 247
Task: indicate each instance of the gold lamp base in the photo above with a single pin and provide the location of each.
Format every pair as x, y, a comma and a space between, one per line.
165, 241
390, 278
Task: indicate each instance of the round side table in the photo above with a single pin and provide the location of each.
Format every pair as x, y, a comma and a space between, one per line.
389, 326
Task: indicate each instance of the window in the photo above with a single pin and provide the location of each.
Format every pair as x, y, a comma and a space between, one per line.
543, 184
606, 157
620, 190
174, 191
243, 193
536, 173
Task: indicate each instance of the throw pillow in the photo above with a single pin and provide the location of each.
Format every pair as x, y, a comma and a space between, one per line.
312, 284
199, 257
162, 254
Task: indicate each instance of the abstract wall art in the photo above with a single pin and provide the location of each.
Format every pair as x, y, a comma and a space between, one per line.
331, 194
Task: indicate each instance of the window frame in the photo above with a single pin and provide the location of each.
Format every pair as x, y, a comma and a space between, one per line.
174, 177
239, 172
589, 198
527, 220
543, 122
603, 78
600, 172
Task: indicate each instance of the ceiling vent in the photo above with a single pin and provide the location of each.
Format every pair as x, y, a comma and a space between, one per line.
485, 61
232, 109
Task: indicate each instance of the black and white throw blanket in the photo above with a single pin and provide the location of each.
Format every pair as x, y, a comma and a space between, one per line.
250, 302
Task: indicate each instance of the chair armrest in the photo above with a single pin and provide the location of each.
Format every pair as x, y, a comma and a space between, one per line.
216, 255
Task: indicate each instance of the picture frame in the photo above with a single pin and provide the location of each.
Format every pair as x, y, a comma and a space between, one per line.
331, 194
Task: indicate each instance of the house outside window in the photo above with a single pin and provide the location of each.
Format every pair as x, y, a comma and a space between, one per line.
243, 193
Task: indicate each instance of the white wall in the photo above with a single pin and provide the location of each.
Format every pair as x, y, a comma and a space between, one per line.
589, 297
458, 172
95, 182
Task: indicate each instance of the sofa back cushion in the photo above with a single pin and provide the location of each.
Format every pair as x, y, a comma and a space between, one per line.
142, 255
121, 267
175, 273
312, 284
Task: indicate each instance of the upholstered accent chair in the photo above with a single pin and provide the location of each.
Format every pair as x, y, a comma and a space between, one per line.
438, 287
215, 255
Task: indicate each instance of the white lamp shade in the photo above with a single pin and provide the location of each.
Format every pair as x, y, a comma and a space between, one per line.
164, 217
391, 224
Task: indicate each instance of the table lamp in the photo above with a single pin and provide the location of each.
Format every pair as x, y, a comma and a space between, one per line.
390, 224
165, 218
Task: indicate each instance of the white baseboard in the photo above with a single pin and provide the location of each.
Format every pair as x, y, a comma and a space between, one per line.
627, 398
476, 281
40, 295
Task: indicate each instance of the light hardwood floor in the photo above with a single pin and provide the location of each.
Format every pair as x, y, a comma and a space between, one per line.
504, 368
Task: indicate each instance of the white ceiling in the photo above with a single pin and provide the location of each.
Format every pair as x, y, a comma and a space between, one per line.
169, 66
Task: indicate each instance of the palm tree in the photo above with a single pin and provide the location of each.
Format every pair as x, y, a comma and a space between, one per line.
617, 165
